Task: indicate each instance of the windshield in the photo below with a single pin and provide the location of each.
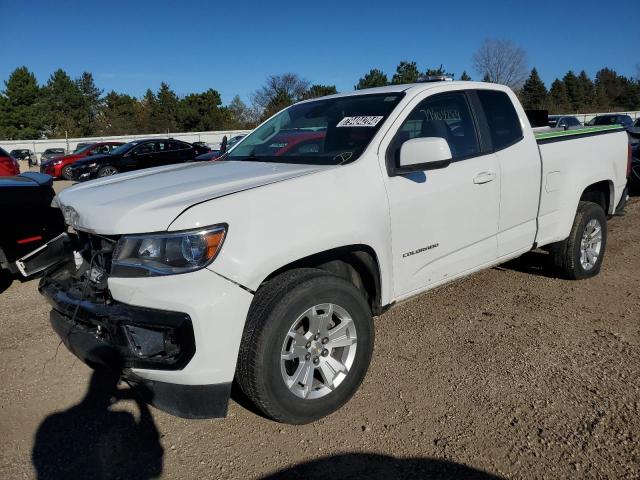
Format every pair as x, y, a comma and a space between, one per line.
323, 132
124, 148
84, 148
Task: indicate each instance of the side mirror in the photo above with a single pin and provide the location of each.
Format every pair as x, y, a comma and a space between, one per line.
426, 153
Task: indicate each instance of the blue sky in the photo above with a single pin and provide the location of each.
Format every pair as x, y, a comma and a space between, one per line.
233, 46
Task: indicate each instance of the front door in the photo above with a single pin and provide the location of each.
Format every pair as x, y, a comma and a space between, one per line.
444, 222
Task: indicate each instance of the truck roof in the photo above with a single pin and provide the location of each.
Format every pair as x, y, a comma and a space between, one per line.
418, 87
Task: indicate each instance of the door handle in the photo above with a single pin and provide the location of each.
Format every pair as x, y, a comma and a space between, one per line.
484, 177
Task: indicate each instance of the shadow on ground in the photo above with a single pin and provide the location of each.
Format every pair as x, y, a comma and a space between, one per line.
380, 467
6, 279
91, 441
538, 262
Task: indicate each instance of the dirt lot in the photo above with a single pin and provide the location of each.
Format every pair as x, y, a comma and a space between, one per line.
510, 372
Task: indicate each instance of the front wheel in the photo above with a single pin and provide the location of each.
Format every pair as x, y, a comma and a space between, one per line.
66, 173
581, 255
306, 346
107, 171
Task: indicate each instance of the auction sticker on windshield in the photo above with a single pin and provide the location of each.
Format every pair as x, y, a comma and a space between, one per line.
362, 121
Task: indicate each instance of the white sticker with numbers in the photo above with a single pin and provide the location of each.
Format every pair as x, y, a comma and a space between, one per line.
362, 121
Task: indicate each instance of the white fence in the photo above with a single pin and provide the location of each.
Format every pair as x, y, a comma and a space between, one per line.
39, 146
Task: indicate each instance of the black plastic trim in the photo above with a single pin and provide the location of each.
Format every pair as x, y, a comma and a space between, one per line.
577, 134
185, 401
87, 327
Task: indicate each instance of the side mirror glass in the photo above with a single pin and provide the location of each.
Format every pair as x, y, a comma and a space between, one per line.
426, 153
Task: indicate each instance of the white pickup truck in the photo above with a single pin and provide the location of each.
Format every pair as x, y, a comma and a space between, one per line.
267, 266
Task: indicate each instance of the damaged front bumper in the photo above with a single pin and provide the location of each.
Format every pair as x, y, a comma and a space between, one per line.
148, 329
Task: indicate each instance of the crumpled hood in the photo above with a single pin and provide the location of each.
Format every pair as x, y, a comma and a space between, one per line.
149, 200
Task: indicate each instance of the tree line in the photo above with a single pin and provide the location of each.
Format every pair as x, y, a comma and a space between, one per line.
78, 108
64, 106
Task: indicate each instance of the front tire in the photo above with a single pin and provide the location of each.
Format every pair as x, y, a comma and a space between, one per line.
66, 173
580, 256
107, 171
306, 346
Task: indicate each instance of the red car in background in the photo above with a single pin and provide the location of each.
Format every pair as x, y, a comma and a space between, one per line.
60, 167
8, 165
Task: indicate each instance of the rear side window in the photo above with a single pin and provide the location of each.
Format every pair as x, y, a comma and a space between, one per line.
502, 119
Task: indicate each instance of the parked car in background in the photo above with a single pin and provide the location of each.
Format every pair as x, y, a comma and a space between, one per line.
134, 155
233, 140
82, 145
24, 154
8, 165
28, 220
50, 153
204, 147
634, 174
564, 121
611, 119
60, 167
637, 122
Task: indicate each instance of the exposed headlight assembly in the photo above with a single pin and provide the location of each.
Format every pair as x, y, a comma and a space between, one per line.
167, 253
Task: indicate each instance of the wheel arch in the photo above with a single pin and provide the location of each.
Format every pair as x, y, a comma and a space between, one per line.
356, 263
601, 193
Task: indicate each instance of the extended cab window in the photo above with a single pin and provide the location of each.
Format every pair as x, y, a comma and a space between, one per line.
502, 119
447, 116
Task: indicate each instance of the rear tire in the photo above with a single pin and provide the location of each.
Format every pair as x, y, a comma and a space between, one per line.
581, 254
292, 371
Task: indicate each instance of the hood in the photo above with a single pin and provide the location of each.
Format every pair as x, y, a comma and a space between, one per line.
149, 200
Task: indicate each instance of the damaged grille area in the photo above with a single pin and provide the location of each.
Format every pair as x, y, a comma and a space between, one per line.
90, 322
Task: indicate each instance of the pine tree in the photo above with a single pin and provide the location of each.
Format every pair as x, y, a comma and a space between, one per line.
375, 78
406, 72
465, 76
91, 104
62, 106
534, 93
320, 91
20, 117
559, 99
572, 87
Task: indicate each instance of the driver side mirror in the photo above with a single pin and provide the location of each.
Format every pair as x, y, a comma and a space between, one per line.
425, 153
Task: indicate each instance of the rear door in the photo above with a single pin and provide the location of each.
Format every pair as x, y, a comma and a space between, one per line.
443, 222
519, 167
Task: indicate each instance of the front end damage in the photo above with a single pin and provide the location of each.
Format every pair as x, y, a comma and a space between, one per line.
104, 332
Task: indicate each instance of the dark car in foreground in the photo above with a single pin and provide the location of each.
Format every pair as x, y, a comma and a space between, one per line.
60, 167
8, 165
134, 156
28, 220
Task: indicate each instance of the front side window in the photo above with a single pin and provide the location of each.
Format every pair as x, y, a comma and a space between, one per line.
446, 116
323, 132
502, 119
146, 148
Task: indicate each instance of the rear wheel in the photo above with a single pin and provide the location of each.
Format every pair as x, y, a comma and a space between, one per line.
306, 346
581, 255
107, 171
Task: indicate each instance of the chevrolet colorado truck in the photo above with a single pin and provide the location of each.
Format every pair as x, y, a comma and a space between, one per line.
266, 268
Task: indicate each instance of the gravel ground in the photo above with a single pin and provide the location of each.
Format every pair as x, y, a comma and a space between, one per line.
508, 373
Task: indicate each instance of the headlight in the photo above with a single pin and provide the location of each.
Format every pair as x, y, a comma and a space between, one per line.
167, 253
92, 165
